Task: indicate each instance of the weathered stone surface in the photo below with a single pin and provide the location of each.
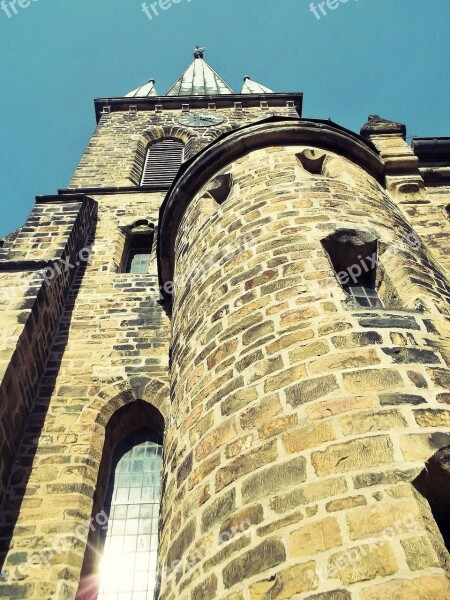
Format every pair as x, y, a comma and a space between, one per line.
274, 478
280, 524
277, 426
310, 436
269, 553
372, 520
246, 463
256, 311
308, 493
206, 590
407, 399
411, 355
181, 543
385, 420
362, 563
238, 400
427, 587
229, 546
265, 410
344, 360
432, 418
383, 478
421, 446
419, 553
286, 584
336, 406
310, 390
355, 454
345, 503
243, 519
311, 350
286, 377
315, 537
333, 595
357, 340
373, 379
219, 510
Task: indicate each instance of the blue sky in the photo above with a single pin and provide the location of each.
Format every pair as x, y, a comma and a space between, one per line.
388, 57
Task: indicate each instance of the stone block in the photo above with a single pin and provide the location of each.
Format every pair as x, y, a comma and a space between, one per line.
315, 537
310, 436
353, 455
274, 478
286, 584
270, 553
426, 587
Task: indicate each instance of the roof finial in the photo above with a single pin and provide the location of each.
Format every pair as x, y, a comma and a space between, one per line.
198, 52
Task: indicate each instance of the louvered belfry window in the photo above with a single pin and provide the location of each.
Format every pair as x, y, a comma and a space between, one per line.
162, 163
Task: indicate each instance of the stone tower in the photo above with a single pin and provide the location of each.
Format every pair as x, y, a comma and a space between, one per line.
255, 305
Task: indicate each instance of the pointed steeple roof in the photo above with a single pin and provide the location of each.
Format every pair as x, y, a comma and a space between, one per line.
144, 91
252, 87
199, 79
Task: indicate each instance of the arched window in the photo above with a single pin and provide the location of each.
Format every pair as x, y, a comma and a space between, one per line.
121, 551
138, 248
162, 163
128, 566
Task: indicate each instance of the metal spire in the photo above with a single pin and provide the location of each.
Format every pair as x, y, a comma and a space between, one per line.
199, 79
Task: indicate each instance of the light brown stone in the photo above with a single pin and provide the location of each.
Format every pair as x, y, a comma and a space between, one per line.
315, 537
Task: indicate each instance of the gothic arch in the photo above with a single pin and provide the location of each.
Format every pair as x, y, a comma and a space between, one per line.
115, 395
118, 410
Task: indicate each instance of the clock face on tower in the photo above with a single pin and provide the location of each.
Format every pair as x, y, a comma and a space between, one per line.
200, 120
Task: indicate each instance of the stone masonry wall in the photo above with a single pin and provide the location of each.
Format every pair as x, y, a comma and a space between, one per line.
111, 348
116, 152
31, 308
294, 411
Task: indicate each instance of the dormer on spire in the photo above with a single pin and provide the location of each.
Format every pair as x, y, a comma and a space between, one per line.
252, 87
144, 91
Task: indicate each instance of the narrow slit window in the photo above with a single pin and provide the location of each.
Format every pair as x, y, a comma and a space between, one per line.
162, 163
128, 565
138, 248
355, 262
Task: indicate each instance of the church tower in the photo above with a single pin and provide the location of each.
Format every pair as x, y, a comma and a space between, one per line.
226, 358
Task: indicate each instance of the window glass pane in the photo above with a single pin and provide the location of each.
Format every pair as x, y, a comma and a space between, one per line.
128, 566
138, 261
365, 296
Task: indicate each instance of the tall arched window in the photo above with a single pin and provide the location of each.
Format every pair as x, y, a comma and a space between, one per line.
121, 551
128, 565
162, 163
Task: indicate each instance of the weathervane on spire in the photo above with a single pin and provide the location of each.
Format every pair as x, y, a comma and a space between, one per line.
198, 52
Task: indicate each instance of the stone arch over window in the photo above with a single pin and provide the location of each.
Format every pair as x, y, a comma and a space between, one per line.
125, 510
156, 136
163, 160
